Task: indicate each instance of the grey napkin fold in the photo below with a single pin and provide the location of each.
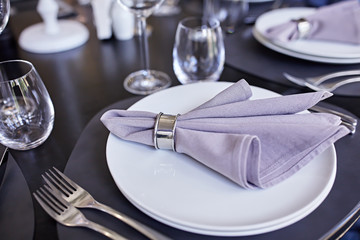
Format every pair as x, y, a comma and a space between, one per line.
255, 143
338, 22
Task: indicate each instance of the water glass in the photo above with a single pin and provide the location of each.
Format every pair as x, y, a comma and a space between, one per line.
198, 53
26, 110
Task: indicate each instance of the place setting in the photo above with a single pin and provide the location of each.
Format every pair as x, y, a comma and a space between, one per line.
205, 166
303, 42
172, 187
327, 34
209, 158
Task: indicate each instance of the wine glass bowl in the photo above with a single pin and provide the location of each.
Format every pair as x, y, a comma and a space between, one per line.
26, 110
144, 81
141, 8
4, 13
199, 52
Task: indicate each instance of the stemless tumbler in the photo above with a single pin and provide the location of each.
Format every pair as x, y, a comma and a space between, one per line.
26, 110
198, 53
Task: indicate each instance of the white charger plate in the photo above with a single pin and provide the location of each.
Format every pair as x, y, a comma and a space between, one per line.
314, 50
177, 190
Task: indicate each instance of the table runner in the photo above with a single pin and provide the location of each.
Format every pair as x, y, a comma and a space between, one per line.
87, 166
16, 206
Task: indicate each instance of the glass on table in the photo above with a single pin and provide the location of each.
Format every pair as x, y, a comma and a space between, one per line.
26, 110
199, 52
168, 8
144, 81
4, 13
230, 13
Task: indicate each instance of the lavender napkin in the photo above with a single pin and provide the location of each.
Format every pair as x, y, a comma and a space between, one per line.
255, 143
338, 22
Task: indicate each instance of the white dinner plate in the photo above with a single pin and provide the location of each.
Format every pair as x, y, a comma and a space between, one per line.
314, 50
177, 190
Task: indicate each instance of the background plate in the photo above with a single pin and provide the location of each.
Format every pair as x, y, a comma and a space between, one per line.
321, 51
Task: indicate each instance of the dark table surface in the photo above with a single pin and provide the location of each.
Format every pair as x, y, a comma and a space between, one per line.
84, 81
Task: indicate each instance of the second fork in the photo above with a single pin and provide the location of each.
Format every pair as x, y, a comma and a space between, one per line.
68, 215
321, 83
80, 198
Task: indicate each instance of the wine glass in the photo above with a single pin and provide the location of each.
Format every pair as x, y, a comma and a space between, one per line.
230, 13
168, 8
26, 110
199, 52
4, 13
145, 81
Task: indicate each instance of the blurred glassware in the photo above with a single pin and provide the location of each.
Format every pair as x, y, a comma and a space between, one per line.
198, 53
52, 34
230, 13
145, 81
4, 13
123, 22
26, 110
168, 8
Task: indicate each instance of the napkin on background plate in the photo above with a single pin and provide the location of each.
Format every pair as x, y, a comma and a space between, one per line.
338, 22
255, 143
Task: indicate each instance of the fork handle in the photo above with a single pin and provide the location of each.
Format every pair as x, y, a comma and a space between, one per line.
145, 230
335, 75
103, 230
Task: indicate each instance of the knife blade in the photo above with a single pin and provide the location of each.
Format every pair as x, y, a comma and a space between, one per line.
344, 117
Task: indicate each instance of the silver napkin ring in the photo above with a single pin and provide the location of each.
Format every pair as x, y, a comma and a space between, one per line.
303, 27
164, 131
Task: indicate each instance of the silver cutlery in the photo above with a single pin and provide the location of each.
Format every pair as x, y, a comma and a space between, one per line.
320, 83
68, 215
347, 120
80, 198
344, 117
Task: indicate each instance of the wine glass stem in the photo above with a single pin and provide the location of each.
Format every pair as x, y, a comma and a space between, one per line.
141, 22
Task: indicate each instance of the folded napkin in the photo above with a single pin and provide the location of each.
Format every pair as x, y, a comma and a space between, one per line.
255, 143
338, 22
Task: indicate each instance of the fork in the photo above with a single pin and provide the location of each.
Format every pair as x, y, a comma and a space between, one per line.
319, 83
80, 198
68, 215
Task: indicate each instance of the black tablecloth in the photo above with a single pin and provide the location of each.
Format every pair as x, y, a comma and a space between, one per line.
16, 206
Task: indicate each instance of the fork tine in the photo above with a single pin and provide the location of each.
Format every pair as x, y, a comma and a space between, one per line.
39, 197
68, 180
48, 182
46, 204
60, 183
57, 197
51, 181
52, 200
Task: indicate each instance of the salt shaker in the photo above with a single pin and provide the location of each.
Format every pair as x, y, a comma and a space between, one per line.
48, 10
123, 22
102, 19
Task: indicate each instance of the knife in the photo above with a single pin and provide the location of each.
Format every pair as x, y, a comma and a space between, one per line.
347, 120
344, 117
